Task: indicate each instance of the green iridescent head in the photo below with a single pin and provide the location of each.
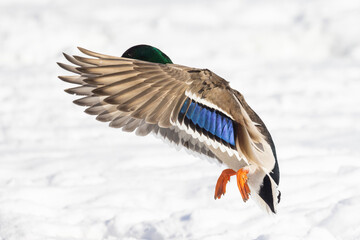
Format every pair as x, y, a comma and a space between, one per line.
147, 53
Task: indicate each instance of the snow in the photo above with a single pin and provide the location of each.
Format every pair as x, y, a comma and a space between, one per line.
64, 175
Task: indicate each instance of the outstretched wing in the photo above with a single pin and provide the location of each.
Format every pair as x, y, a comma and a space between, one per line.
191, 107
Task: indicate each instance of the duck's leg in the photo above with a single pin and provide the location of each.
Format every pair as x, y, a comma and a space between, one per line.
241, 176
220, 188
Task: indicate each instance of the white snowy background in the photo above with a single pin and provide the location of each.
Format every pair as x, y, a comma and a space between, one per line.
64, 175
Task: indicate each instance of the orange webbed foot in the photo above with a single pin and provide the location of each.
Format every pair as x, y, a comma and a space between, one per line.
220, 188
241, 177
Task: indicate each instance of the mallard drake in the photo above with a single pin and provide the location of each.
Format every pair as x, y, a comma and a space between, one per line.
144, 90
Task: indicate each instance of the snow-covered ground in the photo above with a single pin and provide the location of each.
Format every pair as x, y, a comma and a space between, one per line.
64, 175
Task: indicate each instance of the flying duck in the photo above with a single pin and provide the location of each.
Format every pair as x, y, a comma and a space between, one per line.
145, 92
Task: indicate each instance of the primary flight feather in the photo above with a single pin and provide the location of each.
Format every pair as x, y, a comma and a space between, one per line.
144, 91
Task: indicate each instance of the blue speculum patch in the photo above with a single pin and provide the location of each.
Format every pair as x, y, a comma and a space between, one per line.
208, 121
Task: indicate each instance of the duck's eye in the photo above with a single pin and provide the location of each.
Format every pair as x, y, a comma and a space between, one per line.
279, 197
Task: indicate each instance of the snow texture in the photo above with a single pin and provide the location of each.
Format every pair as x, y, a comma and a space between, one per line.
64, 175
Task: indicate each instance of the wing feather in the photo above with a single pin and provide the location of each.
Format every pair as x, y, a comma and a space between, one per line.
95, 54
132, 124
73, 79
75, 61
104, 70
100, 61
98, 108
107, 116
82, 90
88, 101
120, 121
69, 68
144, 129
126, 76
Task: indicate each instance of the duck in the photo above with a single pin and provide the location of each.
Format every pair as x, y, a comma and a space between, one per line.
192, 108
